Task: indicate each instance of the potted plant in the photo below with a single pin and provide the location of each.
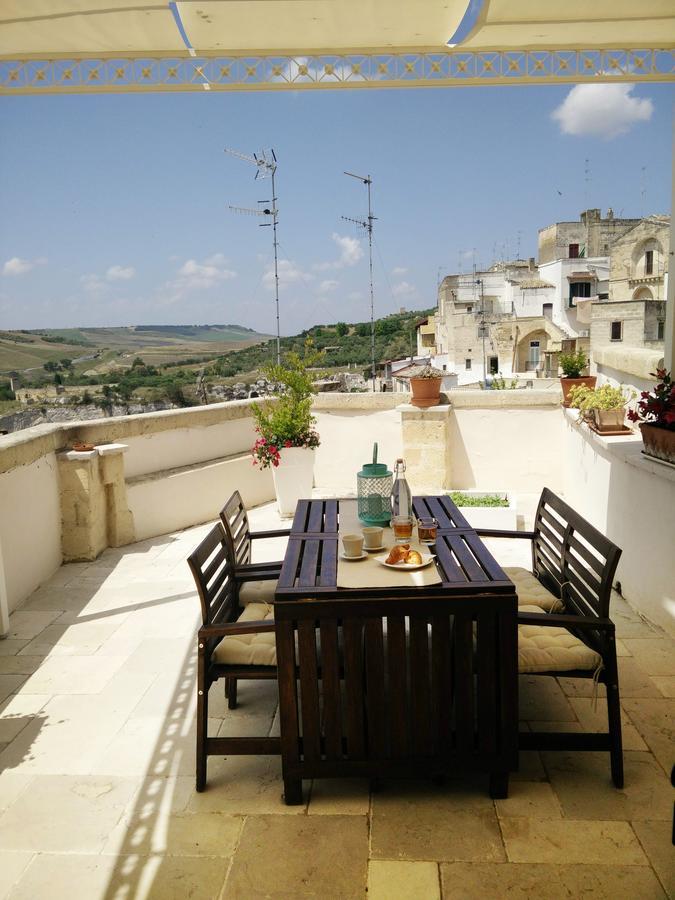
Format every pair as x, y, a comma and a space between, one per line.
287, 438
425, 384
573, 365
655, 411
605, 406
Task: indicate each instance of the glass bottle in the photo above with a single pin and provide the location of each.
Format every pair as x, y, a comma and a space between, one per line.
401, 495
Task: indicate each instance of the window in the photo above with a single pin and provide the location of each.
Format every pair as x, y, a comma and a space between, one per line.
649, 262
579, 289
467, 364
469, 307
660, 330
616, 331
493, 364
573, 251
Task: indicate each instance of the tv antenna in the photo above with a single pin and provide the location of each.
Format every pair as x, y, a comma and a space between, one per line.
587, 180
266, 168
368, 225
643, 189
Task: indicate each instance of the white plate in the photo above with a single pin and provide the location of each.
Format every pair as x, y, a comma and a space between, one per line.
353, 558
405, 567
375, 549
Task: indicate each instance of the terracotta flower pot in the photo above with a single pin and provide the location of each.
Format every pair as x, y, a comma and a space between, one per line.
568, 383
425, 391
658, 441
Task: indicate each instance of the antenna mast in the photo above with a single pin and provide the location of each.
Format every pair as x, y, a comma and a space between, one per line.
368, 225
266, 168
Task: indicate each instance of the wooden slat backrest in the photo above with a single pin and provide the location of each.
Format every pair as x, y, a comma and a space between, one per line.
235, 519
212, 567
572, 558
401, 684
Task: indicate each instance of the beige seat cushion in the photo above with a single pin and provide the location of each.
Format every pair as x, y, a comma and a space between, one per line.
544, 648
531, 592
256, 592
249, 649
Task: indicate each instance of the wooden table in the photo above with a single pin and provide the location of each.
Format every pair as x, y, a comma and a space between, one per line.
395, 681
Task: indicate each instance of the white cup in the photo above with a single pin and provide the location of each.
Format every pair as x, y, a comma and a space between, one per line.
373, 536
353, 544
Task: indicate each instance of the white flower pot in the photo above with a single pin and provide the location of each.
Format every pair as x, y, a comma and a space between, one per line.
293, 478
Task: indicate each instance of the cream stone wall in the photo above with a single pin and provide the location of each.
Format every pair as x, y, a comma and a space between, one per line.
30, 527
631, 500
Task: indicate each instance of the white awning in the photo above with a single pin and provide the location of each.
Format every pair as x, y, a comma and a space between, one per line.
574, 24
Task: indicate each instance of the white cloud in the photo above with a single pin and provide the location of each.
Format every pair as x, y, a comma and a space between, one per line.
194, 275
399, 270
93, 284
351, 252
18, 266
289, 273
120, 273
601, 110
328, 285
403, 289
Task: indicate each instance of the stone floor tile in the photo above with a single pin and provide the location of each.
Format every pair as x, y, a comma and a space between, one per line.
98, 877
322, 856
621, 648
413, 820
12, 866
245, 785
11, 785
656, 840
17, 711
147, 831
9, 647
530, 799
61, 813
73, 675
477, 881
78, 639
571, 842
654, 655
665, 684
152, 746
655, 720
398, 880
339, 796
629, 623
541, 699
10, 684
633, 682
28, 624
582, 783
19, 664
595, 720
530, 767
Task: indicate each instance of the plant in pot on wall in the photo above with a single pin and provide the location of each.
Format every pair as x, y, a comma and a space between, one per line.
603, 408
287, 438
655, 411
573, 364
425, 384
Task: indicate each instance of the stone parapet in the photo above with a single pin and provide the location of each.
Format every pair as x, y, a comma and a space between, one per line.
426, 446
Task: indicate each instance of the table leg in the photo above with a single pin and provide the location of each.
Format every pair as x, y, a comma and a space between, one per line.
292, 791
499, 785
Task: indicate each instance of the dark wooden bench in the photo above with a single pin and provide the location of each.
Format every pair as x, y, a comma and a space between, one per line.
576, 563
223, 650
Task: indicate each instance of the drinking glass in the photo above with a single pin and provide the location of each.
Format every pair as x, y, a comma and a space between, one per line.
427, 529
403, 528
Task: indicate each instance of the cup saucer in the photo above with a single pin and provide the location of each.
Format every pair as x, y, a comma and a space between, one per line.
374, 549
353, 558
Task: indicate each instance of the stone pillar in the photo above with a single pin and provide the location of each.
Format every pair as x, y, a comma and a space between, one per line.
426, 447
94, 509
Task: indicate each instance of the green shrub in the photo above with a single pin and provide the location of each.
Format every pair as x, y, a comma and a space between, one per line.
461, 499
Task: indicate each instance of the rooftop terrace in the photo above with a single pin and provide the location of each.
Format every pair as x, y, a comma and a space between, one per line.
97, 785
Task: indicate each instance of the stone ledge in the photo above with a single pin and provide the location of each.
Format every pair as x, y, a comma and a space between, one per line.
477, 399
181, 470
632, 360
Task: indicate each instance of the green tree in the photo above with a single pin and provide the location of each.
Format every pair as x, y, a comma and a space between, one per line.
363, 329
341, 329
66, 363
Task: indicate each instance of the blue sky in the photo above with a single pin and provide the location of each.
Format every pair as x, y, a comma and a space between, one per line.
114, 207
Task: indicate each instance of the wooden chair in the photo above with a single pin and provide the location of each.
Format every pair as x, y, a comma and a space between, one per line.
232, 642
235, 521
564, 626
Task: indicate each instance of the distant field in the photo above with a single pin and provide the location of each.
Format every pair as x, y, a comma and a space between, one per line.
103, 348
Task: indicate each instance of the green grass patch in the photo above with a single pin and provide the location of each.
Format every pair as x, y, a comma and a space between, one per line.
461, 499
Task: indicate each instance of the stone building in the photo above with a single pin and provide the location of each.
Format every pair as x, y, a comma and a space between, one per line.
591, 236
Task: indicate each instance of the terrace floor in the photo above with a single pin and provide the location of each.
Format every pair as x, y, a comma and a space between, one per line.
97, 769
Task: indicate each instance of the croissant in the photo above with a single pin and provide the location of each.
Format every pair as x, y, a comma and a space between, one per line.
413, 558
398, 553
